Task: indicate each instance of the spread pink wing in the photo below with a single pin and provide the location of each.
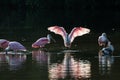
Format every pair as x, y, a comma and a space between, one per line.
58, 30
78, 31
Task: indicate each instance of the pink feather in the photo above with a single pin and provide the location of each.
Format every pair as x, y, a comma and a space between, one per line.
68, 39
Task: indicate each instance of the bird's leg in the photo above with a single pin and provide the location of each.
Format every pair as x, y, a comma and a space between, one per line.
67, 48
45, 49
100, 53
15, 51
6, 52
42, 48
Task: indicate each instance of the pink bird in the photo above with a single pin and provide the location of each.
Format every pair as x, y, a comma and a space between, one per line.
103, 40
3, 43
15, 46
41, 42
68, 38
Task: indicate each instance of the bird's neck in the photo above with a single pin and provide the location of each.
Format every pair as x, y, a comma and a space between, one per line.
48, 38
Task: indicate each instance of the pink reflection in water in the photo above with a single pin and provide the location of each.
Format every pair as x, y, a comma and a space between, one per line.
39, 56
70, 68
2, 58
14, 61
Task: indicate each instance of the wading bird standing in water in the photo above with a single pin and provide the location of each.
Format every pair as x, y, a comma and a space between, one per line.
11, 45
68, 38
15, 46
107, 47
41, 42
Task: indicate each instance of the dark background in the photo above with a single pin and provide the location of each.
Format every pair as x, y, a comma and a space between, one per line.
30, 17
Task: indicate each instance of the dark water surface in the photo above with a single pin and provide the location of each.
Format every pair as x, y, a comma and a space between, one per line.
62, 65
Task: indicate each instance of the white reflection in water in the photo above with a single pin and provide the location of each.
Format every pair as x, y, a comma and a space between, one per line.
13, 61
39, 56
105, 64
70, 68
2, 58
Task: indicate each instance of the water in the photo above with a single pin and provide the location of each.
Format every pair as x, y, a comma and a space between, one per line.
62, 65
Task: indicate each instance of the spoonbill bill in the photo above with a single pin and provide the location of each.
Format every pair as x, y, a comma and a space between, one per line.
3, 43
68, 38
103, 40
41, 42
15, 46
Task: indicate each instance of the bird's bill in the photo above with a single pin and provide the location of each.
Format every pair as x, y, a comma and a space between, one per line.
7, 49
53, 39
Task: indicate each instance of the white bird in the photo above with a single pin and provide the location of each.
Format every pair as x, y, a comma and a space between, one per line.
103, 40
68, 38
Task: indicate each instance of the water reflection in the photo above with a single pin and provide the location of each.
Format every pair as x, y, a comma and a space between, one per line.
105, 64
58, 66
40, 56
12, 61
69, 68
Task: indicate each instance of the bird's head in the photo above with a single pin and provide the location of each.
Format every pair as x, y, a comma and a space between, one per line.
104, 34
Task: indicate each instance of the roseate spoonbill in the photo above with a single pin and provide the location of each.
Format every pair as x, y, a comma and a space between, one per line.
3, 43
41, 42
103, 40
15, 46
68, 38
